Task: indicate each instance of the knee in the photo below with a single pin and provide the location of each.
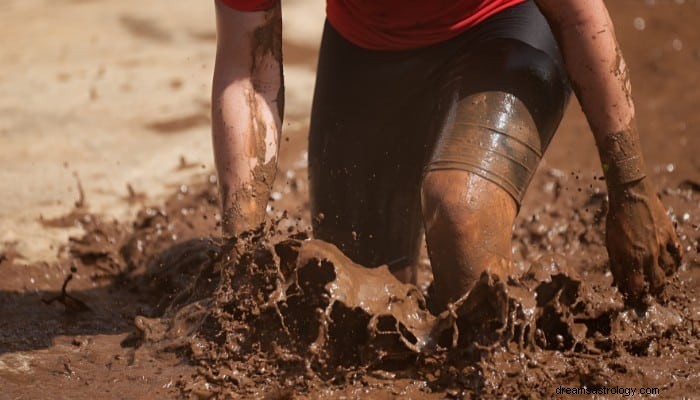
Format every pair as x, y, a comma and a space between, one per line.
464, 204
449, 201
436, 192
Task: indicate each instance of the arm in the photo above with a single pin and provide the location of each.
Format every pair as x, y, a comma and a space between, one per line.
247, 110
641, 242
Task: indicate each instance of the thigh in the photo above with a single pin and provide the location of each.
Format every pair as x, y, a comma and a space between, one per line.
367, 144
506, 92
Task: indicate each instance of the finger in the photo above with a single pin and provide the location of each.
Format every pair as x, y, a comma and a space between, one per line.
654, 274
627, 267
667, 260
628, 277
676, 249
616, 268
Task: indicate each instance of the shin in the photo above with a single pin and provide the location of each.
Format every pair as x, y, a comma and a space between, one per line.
468, 222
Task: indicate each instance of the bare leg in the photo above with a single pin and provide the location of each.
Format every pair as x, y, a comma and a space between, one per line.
468, 224
247, 108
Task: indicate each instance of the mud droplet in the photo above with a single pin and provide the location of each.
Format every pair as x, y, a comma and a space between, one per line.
677, 44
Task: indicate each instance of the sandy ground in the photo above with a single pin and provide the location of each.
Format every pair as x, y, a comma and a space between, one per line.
113, 96
117, 93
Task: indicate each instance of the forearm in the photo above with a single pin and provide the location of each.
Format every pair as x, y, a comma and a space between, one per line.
245, 152
642, 245
600, 79
247, 110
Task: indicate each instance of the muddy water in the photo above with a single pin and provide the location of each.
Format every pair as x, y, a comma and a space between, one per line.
159, 305
159, 309
299, 315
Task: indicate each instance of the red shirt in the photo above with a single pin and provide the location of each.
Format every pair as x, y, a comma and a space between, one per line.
398, 24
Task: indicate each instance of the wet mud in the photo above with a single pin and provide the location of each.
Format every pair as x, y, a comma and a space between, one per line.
274, 313
300, 315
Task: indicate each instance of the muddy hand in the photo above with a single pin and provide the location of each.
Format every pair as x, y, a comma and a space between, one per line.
642, 244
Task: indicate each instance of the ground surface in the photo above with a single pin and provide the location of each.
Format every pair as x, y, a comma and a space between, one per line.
110, 99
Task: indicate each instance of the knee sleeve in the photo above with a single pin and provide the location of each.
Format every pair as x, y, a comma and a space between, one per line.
499, 127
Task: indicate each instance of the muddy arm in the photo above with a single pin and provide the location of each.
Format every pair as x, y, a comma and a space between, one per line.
247, 111
641, 242
594, 63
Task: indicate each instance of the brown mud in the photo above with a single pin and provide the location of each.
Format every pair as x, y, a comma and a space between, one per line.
273, 313
158, 308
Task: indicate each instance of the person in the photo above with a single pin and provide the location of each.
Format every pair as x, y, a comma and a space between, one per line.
432, 116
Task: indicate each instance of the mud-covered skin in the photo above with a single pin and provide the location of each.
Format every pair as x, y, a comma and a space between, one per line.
266, 42
642, 244
621, 157
247, 171
643, 247
468, 222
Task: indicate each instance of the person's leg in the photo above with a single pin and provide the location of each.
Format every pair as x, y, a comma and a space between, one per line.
366, 151
468, 224
470, 188
505, 100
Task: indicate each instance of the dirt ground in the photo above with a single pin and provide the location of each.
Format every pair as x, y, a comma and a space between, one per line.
111, 271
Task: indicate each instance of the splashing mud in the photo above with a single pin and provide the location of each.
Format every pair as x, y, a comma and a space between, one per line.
273, 313
274, 308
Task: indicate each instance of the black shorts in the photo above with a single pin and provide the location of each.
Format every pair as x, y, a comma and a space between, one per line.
487, 101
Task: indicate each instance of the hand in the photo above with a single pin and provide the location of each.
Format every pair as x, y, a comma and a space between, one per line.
642, 244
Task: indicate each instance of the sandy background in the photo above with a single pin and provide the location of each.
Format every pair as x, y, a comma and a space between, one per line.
116, 92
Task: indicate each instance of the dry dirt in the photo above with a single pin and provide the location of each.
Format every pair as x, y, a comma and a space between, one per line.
143, 301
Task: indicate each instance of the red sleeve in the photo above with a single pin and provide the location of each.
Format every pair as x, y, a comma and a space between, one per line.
250, 5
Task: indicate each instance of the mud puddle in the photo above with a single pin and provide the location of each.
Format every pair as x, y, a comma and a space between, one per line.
298, 315
272, 313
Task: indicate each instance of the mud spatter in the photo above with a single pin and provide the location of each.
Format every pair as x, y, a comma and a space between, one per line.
272, 315
297, 315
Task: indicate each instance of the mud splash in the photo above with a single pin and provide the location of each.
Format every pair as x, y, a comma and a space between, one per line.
275, 314
274, 310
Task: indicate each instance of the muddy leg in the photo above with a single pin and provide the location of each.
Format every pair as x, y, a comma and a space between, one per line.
367, 141
468, 223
